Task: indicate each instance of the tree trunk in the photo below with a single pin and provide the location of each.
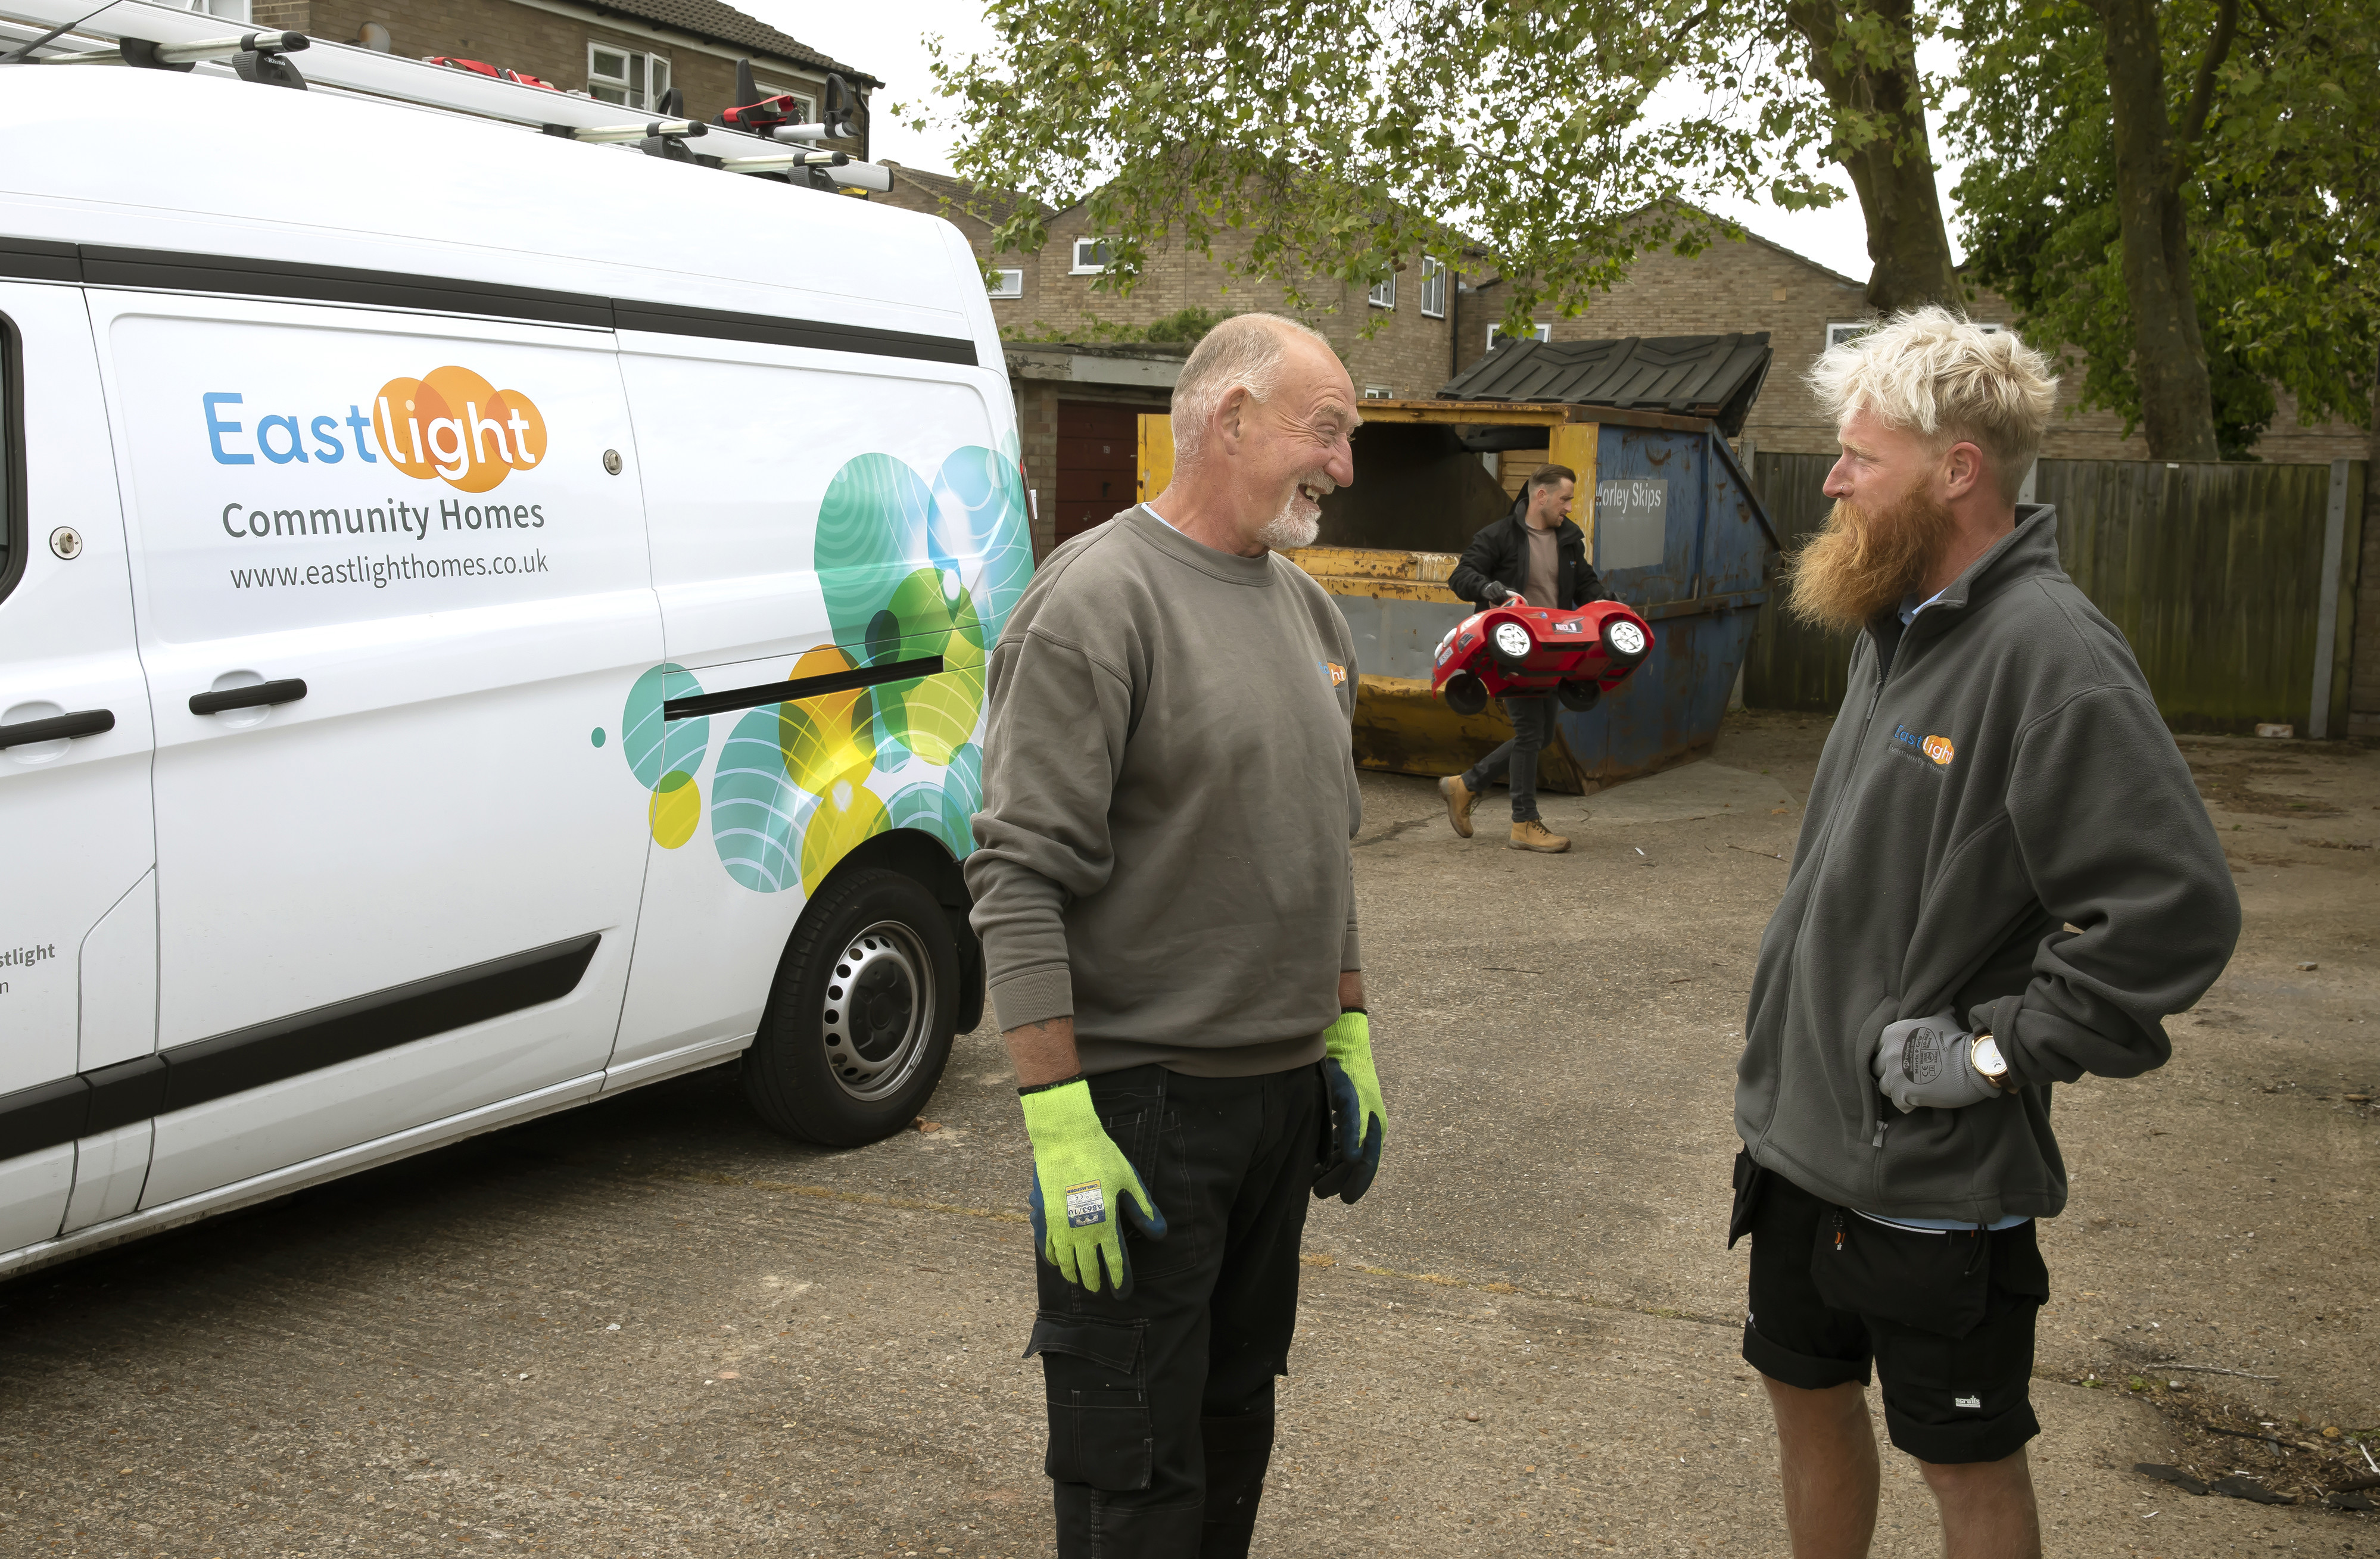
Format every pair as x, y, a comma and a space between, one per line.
1887, 153
2168, 356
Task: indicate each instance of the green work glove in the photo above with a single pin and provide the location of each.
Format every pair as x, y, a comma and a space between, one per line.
1358, 1123
1078, 1170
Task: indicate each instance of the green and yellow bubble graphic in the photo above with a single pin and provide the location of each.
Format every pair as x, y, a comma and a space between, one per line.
756, 811
676, 808
909, 569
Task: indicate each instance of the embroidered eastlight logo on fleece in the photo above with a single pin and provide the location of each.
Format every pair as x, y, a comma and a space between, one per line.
1332, 673
1939, 748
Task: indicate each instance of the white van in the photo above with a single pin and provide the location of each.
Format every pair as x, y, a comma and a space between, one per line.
486, 622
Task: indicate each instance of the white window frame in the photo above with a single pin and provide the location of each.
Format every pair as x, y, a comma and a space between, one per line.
805, 96
1433, 285
1379, 393
1384, 294
1092, 270
655, 75
1542, 332
1007, 283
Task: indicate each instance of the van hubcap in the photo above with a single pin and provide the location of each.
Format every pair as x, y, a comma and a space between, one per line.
878, 1010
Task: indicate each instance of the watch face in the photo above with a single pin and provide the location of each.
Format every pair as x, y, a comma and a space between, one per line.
1989, 1059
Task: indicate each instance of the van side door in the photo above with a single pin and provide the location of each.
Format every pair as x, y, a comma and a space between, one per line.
887, 537
78, 913
390, 589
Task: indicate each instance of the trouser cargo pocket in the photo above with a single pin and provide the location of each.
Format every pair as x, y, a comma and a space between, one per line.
1097, 1375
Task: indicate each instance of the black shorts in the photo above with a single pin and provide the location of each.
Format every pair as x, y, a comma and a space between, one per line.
1948, 1318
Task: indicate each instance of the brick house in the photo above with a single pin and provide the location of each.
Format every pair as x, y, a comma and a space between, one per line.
1080, 392
1759, 285
626, 52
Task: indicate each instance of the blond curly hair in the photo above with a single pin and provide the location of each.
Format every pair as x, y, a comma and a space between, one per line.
1940, 375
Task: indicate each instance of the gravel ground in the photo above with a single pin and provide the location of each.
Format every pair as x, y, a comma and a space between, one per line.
652, 1328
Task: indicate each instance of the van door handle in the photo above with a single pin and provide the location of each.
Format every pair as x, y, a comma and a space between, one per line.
88, 722
287, 690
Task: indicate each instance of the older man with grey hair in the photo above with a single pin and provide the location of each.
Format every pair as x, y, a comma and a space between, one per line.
1165, 895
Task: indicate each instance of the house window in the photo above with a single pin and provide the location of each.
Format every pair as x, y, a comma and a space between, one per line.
1841, 331
1007, 284
1543, 333
1384, 294
1433, 287
1090, 257
805, 106
1378, 392
627, 76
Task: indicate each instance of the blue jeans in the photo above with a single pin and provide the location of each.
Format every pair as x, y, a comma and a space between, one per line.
1533, 727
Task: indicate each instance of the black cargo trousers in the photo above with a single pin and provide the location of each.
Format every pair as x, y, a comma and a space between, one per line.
1162, 1402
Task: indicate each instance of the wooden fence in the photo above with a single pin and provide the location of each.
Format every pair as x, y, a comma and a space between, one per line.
2224, 578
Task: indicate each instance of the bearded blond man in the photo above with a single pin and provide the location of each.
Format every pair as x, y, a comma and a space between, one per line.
2005, 880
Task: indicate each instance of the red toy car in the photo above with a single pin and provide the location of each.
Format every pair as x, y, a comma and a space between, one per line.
1528, 651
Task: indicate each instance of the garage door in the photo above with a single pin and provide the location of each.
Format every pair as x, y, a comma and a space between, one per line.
1097, 445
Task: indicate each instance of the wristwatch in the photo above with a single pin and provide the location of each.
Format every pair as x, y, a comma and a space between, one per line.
1985, 1053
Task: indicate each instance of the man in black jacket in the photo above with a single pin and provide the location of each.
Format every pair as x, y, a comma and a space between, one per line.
1534, 556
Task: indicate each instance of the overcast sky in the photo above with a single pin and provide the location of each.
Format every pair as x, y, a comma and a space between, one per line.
886, 41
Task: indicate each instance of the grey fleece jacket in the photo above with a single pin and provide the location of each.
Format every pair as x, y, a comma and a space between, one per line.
1169, 790
1998, 772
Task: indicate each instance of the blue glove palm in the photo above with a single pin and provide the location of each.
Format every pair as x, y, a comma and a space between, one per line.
1358, 1123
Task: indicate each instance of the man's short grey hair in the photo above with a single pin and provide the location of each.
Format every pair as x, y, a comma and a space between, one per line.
1937, 374
1246, 350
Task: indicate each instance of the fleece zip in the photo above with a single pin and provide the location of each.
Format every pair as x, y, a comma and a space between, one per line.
1998, 774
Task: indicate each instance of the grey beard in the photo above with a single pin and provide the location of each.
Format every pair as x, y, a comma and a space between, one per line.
1289, 530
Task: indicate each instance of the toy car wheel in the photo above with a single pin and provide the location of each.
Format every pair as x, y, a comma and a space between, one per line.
1510, 644
1578, 698
1465, 694
1626, 641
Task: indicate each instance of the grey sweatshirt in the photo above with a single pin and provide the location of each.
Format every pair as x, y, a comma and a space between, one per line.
1998, 772
1169, 791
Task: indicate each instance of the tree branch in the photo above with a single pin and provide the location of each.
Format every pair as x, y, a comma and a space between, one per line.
2202, 96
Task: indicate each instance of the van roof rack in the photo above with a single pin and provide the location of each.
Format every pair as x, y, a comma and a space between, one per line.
137, 34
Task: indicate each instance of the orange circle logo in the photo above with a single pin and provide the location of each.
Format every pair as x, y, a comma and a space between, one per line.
452, 425
1939, 748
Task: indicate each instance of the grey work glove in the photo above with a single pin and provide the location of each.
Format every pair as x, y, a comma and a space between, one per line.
1929, 1063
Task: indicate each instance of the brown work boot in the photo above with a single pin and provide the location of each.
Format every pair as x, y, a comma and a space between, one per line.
1459, 797
1531, 835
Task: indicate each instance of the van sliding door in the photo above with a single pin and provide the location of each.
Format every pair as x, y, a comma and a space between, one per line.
391, 587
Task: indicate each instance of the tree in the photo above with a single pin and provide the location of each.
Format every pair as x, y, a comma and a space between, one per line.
1566, 136
2201, 224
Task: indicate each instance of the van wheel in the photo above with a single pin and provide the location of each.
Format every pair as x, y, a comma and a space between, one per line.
858, 1028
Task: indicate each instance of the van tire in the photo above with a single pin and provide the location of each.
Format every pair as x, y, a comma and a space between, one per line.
830, 1072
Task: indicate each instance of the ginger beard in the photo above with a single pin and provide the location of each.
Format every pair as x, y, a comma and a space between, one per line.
1866, 559
1300, 520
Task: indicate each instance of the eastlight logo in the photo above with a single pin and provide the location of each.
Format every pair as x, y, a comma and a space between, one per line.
451, 425
455, 426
